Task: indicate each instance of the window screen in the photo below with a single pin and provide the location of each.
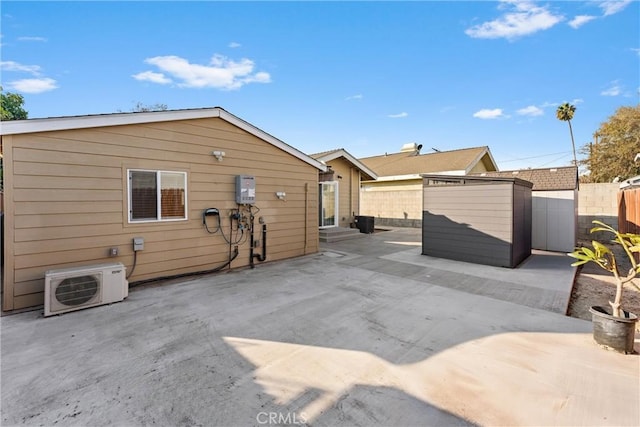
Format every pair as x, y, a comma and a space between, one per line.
157, 195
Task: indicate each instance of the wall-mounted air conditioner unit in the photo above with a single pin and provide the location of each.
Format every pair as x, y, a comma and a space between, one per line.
75, 288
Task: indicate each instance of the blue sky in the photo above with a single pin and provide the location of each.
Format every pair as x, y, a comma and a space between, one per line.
364, 76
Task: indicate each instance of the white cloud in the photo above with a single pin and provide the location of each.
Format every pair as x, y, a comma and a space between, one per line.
152, 77
636, 50
488, 114
524, 18
234, 45
531, 111
15, 66
33, 85
398, 116
614, 89
32, 39
580, 20
352, 97
611, 7
576, 101
220, 73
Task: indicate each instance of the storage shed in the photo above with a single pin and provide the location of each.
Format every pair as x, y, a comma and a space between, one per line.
477, 219
554, 206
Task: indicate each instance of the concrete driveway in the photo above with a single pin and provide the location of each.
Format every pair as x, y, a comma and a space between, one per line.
367, 333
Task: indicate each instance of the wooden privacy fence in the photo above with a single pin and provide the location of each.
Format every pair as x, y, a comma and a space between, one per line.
629, 210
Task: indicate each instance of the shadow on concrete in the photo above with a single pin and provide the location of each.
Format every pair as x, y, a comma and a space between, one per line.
445, 238
339, 344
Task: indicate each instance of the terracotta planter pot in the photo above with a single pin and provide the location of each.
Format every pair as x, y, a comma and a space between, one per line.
615, 333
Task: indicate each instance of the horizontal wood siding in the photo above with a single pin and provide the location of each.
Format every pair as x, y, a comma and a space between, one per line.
470, 223
68, 199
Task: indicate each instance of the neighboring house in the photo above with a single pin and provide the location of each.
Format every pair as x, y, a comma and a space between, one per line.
395, 198
554, 204
78, 190
339, 187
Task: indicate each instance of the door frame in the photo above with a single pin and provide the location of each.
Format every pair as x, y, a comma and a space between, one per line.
321, 217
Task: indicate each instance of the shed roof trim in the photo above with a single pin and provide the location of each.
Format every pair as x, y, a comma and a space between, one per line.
465, 179
16, 127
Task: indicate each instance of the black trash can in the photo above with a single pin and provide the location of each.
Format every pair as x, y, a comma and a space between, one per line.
365, 223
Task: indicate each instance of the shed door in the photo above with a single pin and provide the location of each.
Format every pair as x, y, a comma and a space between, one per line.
553, 225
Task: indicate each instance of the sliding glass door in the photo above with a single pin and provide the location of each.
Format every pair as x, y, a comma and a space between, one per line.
328, 205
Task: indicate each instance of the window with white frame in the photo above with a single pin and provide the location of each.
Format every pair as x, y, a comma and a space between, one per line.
157, 195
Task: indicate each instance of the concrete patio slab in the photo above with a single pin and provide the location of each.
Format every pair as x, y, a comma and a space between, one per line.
323, 340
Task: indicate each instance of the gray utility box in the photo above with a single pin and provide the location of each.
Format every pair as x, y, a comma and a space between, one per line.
245, 189
482, 220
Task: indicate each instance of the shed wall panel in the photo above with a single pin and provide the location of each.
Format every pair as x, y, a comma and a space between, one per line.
522, 214
481, 222
554, 220
453, 229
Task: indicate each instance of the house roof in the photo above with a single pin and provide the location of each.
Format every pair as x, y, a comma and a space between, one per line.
409, 165
16, 127
327, 156
547, 179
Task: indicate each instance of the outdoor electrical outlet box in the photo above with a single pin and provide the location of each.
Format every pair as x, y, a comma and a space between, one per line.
113, 251
245, 189
138, 244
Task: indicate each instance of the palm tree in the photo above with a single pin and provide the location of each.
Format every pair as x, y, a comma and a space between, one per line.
565, 113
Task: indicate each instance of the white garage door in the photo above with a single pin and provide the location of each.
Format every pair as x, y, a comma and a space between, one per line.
553, 225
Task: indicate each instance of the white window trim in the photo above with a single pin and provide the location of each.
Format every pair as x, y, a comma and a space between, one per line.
158, 173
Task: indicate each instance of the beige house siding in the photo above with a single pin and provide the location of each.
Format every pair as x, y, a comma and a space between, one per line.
478, 168
348, 178
66, 200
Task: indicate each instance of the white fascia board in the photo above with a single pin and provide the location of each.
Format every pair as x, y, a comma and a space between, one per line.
480, 156
343, 153
15, 127
397, 178
236, 121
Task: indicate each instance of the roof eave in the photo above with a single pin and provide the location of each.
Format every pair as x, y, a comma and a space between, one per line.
117, 119
355, 162
478, 158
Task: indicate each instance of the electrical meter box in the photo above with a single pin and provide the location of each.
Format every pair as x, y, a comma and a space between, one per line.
245, 189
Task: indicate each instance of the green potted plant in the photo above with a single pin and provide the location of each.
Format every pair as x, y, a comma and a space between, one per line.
613, 327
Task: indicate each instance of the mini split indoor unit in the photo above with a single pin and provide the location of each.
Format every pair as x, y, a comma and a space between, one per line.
70, 289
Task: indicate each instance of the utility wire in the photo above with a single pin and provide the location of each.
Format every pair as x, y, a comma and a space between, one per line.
536, 157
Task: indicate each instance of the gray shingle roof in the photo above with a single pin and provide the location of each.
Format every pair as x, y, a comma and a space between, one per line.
547, 179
